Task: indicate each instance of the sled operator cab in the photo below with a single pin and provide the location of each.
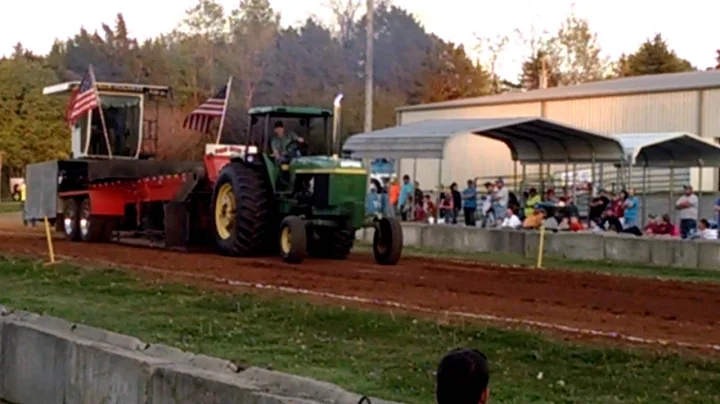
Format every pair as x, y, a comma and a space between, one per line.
130, 113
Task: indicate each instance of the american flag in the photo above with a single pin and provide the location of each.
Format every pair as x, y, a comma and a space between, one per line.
203, 115
84, 99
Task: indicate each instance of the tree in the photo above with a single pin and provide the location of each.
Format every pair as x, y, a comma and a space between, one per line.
580, 59
717, 59
494, 48
653, 57
535, 66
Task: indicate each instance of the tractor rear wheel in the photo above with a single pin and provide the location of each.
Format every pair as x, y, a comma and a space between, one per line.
293, 240
387, 241
93, 228
71, 219
242, 210
332, 243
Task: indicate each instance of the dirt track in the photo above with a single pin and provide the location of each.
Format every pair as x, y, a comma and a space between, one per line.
673, 311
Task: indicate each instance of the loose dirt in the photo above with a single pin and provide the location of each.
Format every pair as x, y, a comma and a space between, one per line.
646, 308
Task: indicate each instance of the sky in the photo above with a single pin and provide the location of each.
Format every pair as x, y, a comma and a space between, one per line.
622, 25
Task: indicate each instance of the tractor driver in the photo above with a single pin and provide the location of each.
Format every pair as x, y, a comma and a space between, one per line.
282, 140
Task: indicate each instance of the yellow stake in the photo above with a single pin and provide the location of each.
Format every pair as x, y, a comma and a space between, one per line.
541, 247
48, 235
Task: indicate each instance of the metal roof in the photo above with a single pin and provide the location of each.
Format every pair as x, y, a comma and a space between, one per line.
161, 91
669, 149
282, 111
530, 139
630, 85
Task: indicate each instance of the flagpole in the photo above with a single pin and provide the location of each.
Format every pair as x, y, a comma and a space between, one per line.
222, 118
100, 110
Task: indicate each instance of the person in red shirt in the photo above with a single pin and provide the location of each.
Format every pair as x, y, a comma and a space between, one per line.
575, 224
618, 207
664, 227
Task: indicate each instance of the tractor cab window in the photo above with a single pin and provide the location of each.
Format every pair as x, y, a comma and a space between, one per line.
122, 120
313, 130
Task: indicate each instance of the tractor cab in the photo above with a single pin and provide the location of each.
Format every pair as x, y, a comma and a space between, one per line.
132, 126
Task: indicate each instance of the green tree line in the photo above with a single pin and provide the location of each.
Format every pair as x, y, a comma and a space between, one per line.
298, 65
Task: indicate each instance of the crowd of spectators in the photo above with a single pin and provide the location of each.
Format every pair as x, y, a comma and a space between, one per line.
494, 205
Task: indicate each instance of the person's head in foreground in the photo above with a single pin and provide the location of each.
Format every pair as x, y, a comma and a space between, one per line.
462, 378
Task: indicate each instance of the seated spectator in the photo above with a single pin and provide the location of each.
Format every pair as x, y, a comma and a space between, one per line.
609, 221
664, 227
462, 378
511, 220
531, 201
705, 232
574, 224
535, 220
407, 209
598, 205
651, 226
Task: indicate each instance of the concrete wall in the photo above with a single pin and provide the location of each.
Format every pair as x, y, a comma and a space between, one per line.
51, 361
572, 246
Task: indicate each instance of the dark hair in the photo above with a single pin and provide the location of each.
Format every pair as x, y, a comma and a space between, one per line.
705, 222
666, 218
406, 177
462, 377
279, 124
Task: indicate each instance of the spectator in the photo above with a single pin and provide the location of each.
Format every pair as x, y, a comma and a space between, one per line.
418, 195
630, 205
429, 208
531, 201
550, 196
457, 201
598, 205
406, 192
500, 199
447, 208
462, 378
717, 209
705, 232
469, 196
394, 195
687, 206
511, 220
575, 225
616, 203
609, 221
652, 225
373, 203
534, 220
407, 209
487, 207
664, 227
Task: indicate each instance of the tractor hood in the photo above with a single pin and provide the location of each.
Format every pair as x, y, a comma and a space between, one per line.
329, 164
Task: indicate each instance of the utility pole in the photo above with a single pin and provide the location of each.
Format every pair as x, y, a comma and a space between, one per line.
2, 154
369, 66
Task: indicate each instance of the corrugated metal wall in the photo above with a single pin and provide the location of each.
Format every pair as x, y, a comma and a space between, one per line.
470, 156
466, 156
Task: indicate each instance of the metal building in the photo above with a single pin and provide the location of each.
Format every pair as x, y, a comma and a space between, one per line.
679, 102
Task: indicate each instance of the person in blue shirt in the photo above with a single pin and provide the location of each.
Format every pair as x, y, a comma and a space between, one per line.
631, 207
407, 190
717, 209
373, 203
469, 196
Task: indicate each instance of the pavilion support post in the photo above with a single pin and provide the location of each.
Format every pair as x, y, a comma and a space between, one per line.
600, 183
567, 173
643, 209
573, 184
700, 182
542, 183
515, 178
548, 169
671, 205
523, 180
414, 170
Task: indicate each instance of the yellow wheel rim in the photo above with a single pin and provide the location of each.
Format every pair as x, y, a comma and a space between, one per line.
225, 210
285, 243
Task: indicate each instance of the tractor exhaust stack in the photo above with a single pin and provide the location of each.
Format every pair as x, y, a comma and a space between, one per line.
337, 110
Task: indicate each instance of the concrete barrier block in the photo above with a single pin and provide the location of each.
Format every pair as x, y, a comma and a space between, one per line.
214, 364
33, 364
169, 353
576, 246
515, 242
180, 384
686, 253
282, 384
662, 251
413, 235
100, 373
708, 254
627, 248
108, 337
532, 243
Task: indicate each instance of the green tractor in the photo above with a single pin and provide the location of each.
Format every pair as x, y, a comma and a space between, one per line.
304, 200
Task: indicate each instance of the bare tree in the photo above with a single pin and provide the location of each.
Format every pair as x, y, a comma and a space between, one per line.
490, 50
345, 12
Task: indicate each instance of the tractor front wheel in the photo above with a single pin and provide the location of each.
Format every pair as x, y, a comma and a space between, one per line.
293, 240
387, 241
71, 219
93, 228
